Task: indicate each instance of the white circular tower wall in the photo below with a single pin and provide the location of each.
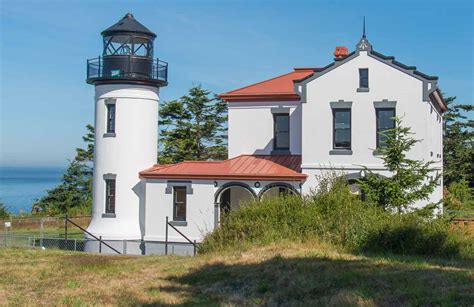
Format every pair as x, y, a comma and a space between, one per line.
132, 149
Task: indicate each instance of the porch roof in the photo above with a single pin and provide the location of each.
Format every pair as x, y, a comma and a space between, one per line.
244, 167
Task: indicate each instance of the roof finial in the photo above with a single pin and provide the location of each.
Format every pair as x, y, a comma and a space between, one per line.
363, 29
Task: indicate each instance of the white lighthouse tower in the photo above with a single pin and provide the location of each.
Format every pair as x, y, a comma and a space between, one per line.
127, 80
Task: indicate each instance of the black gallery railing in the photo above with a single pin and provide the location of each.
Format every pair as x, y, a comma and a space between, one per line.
127, 67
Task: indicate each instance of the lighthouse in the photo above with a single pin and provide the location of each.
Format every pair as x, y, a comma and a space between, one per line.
127, 79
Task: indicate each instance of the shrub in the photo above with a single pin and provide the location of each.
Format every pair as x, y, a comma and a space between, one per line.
332, 214
412, 234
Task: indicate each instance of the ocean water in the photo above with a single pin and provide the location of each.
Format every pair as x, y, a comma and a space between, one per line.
20, 186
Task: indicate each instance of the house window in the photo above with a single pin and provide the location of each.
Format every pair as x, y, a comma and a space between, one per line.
363, 78
281, 134
385, 121
342, 128
110, 118
179, 203
109, 195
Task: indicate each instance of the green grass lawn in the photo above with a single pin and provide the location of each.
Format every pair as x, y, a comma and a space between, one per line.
288, 274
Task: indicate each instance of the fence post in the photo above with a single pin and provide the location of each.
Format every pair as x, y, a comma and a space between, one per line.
166, 237
194, 247
65, 228
100, 244
65, 231
42, 232
6, 234
75, 245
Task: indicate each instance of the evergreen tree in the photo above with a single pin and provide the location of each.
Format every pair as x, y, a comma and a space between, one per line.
193, 128
458, 150
74, 194
86, 155
411, 180
4, 213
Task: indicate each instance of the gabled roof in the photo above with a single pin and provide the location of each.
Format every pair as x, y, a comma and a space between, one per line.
429, 82
280, 88
244, 167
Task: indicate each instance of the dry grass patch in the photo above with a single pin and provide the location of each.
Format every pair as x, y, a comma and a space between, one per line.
285, 273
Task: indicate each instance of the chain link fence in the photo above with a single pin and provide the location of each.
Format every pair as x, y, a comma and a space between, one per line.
43, 226
43, 232
9, 240
51, 233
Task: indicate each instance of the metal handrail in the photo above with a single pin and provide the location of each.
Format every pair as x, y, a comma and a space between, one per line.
159, 69
196, 247
98, 239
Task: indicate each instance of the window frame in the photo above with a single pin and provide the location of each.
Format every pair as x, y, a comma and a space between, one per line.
176, 218
275, 147
110, 209
377, 132
362, 86
110, 120
334, 110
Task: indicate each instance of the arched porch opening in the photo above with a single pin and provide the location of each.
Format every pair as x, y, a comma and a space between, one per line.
277, 189
230, 197
353, 182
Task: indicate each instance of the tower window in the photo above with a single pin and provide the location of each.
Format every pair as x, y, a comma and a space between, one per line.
110, 118
385, 122
179, 203
363, 78
281, 131
342, 128
109, 195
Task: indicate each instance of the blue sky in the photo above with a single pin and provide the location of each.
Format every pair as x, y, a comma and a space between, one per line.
45, 102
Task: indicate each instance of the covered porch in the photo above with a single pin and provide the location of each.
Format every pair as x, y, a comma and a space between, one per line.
196, 195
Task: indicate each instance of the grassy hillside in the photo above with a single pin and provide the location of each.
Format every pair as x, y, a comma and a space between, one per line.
283, 273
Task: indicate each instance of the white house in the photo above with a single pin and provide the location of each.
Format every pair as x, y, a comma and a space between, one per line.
283, 132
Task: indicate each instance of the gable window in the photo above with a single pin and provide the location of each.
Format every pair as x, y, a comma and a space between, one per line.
281, 131
385, 121
110, 118
179, 203
109, 195
341, 128
364, 78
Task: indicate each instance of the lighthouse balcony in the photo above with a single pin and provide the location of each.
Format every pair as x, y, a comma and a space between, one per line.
127, 69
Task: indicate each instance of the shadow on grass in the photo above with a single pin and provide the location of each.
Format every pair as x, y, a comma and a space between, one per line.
414, 240
324, 281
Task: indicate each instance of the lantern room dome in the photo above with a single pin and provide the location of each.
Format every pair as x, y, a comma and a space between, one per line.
128, 24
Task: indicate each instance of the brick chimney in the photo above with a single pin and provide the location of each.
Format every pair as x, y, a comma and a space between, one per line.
340, 52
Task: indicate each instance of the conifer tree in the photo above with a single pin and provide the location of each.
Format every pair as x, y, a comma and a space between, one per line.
458, 149
410, 180
193, 127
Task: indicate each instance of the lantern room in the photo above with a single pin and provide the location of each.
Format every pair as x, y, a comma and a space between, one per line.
127, 56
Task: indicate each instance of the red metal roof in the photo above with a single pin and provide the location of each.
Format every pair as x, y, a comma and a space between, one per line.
280, 88
244, 167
